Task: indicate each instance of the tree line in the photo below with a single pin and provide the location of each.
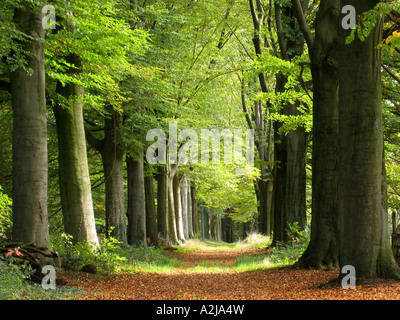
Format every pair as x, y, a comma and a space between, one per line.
321, 99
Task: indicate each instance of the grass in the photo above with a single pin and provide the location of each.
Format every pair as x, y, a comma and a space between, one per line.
14, 285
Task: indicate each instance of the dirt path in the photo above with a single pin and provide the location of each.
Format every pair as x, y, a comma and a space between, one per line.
185, 283
212, 257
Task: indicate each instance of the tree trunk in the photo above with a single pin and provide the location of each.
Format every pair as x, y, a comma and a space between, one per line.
75, 186
289, 174
296, 178
172, 234
189, 212
113, 163
136, 202
184, 201
279, 196
178, 207
30, 220
113, 167
364, 240
195, 213
151, 214
324, 243
162, 202
290, 182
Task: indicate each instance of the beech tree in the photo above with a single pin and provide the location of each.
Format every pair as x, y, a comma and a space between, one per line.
30, 217
75, 186
364, 239
323, 52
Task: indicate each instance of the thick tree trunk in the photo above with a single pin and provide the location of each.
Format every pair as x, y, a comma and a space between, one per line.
136, 202
151, 213
324, 243
296, 178
364, 240
162, 202
30, 220
290, 149
184, 201
279, 196
178, 207
75, 186
265, 205
172, 233
189, 211
113, 163
195, 212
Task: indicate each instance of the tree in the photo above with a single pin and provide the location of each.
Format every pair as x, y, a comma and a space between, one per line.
323, 52
113, 160
290, 145
364, 241
151, 213
75, 185
136, 201
30, 218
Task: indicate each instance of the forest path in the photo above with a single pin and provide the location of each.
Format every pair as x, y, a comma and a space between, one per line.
213, 254
211, 273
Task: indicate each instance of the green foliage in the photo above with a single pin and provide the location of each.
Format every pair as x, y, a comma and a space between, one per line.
150, 259
15, 284
110, 256
12, 281
289, 253
368, 20
5, 215
105, 43
107, 257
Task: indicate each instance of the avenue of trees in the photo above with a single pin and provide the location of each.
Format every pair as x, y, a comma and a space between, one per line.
81, 91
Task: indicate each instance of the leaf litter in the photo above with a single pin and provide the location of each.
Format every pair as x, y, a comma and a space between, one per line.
218, 280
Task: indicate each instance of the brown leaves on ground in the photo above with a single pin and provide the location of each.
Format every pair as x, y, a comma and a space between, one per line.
271, 284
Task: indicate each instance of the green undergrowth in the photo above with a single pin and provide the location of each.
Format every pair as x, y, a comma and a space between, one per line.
15, 284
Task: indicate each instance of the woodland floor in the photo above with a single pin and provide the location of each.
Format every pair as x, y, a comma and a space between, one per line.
188, 282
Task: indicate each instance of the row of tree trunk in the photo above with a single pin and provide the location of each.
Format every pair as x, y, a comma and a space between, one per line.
281, 191
349, 212
177, 212
175, 218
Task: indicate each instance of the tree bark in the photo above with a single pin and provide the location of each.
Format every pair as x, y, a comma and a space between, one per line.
184, 201
178, 207
189, 212
136, 202
75, 186
291, 148
30, 218
162, 202
364, 240
113, 167
289, 174
172, 233
195, 212
113, 163
151, 213
324, 243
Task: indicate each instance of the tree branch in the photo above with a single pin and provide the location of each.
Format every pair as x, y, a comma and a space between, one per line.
279, 32
391, 73
93, 141
298, 12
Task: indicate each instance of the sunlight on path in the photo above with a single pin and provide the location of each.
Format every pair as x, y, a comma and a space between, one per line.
209, 271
